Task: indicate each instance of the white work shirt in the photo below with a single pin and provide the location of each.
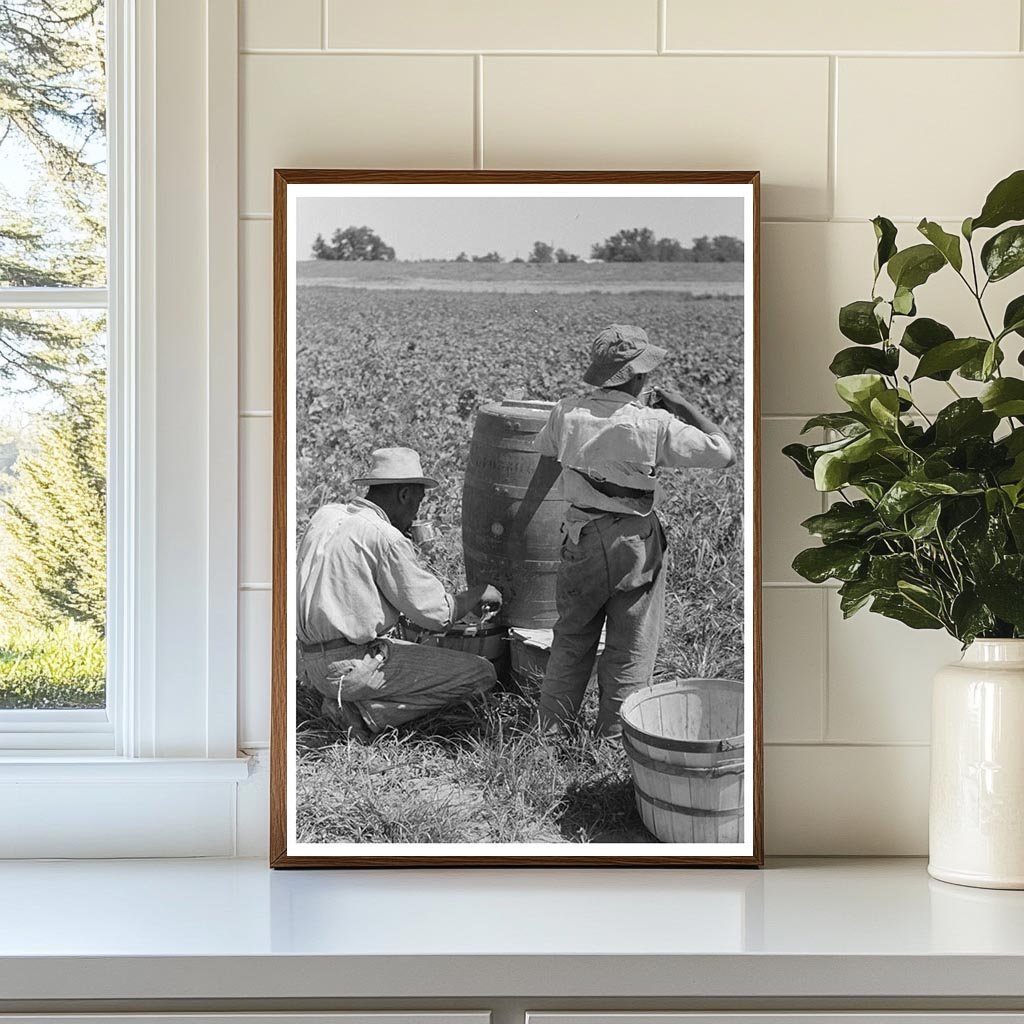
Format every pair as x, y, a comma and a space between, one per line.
608, 435
357, 572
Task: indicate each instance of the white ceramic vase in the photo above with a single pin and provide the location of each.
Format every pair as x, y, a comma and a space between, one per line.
976, 814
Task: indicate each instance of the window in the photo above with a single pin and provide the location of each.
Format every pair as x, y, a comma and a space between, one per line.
53, 373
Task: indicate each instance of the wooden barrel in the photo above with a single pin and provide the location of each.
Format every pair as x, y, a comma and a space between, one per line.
512, 510
684, 740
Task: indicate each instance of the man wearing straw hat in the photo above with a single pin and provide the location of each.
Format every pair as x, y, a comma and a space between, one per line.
357, 572
610, 443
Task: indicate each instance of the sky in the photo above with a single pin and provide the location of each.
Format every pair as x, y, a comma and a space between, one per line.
419, 228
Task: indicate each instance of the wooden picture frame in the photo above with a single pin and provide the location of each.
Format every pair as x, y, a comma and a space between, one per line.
743, 186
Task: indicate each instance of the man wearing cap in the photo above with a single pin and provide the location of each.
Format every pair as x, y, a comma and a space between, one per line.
357, 572
610, 444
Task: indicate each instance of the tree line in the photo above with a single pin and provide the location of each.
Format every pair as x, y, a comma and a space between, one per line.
630, 245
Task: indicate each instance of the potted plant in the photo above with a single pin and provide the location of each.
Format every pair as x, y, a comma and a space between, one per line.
927, 521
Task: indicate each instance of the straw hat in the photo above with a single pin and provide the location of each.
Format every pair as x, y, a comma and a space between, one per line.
395, 466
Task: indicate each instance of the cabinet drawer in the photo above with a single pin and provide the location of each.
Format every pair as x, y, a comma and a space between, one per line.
361, 1017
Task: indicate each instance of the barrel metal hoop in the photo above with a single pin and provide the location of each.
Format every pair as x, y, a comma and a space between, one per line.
697, 812
734, 766
685, 746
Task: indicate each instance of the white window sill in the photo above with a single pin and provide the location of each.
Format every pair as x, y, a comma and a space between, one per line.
78, 766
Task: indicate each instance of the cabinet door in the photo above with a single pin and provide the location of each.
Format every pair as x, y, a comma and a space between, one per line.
784, 1017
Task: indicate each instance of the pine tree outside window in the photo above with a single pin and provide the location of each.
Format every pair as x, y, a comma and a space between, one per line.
53, 369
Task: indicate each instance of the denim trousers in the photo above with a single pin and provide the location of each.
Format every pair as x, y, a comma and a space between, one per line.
612, 578
391, 682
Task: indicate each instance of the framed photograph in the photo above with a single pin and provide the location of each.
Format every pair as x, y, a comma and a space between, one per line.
516, 557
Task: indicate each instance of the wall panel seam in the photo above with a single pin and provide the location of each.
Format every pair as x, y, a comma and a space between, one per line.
662, 29
852, 744
336, 51
823, 682
478, 111
339, 51
833, 134
324, 37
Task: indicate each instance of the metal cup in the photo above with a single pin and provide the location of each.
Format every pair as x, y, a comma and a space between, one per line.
422, 532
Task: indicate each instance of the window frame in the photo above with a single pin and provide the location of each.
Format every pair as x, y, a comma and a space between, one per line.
172, 510
93, 729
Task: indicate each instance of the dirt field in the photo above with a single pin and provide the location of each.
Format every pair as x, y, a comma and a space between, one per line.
386, 367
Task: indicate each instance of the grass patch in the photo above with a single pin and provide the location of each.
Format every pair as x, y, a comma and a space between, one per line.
60, 667
478, 774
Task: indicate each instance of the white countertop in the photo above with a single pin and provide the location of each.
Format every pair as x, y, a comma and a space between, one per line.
233, 929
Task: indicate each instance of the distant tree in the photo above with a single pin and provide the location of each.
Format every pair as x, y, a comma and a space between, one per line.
53, 518
462, 258
669, 250
489, 257
631, 245
321, 250
702, 250
726, 249
52, 106
562, 256
517, 259
353, 244
542, 253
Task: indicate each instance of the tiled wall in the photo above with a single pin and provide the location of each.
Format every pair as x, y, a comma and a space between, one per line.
907, 109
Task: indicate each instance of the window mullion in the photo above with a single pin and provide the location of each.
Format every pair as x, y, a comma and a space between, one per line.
53, 298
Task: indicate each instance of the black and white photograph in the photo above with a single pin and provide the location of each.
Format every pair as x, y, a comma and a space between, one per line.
516, 563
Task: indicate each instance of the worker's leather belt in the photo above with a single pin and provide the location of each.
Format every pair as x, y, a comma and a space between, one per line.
610, 490
327, 645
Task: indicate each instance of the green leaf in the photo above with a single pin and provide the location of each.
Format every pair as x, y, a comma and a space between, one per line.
841, 561
903, 302
858, 389
1004, 397
885, 409
833, 420
843, 521
897, 607
925, 518
854, 595
1013, 317
965, 229
1005, 596
923, 335
887, 570
831, 471
799, 455
854, 360
995, 499
857, 321
947, 244
913, 266
1003, 254
1005, 202
906, 494
970, 617
950, 355
966, 417
974, 368
885, 237
990, 360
